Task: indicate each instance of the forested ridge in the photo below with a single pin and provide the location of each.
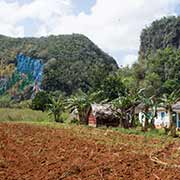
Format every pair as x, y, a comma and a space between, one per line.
71, 61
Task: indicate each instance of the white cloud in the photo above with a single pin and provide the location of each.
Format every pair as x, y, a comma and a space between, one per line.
128, 59
114, 25
46, 11
8, 19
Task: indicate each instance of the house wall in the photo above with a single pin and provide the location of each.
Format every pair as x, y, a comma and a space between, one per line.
161, 120
177, 119
92, 120
141, 118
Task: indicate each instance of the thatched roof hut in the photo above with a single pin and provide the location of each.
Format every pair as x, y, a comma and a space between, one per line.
103, 115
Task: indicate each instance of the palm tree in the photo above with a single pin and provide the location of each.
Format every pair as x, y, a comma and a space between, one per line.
56, 107
82, 103
167, 102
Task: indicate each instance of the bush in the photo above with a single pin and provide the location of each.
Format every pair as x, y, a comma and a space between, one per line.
65, 116
74, 121
56, 108
5, 101
23, 104
41, 101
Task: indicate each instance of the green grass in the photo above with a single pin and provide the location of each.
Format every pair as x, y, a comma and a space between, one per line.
24, 115
137, 131
42, 118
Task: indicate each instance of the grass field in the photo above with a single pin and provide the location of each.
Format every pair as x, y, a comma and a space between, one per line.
9, 114
39, 117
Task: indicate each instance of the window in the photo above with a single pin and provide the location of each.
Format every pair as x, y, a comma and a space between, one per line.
162, 115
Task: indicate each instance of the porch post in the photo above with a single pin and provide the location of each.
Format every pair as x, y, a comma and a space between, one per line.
177, 120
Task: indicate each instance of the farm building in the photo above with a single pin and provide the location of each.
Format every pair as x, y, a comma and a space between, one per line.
162, 117
99, 115
102, 115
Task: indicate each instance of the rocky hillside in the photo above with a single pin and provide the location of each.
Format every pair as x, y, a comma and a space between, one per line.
158, 68
161, 34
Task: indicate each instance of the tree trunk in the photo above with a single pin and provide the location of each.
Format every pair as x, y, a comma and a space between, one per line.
146, 121
55, 118
133, 119
153, 116
152, 123
84, 116
126, 122
172, 123
145, 129
121, 122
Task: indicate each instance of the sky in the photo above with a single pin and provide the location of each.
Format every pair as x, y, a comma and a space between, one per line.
114, 25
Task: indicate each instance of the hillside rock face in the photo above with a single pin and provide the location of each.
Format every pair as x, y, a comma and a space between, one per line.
69, 62
161, 34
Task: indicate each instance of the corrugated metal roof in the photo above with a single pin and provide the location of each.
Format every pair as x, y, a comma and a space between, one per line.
176, 107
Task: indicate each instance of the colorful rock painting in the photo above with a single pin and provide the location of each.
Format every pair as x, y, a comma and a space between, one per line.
27, 75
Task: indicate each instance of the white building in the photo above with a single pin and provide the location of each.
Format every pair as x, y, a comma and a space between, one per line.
162, 118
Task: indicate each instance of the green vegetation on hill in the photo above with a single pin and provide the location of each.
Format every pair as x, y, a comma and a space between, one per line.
161, 34
159, 73
158, 67
71, 61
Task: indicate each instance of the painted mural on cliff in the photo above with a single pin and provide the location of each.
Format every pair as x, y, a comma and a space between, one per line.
25, 79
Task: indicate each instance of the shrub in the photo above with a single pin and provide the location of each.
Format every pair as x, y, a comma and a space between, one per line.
41, 101
23, 104
74, 121
5, 101
56, 108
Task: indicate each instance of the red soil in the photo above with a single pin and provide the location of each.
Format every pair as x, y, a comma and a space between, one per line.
29, 152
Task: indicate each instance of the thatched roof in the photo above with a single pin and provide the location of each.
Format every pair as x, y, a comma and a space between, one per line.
105, 115
104, 109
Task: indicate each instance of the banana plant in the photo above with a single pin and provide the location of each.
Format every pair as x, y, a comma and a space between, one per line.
82, 103
167, 101
149, 104
56, 108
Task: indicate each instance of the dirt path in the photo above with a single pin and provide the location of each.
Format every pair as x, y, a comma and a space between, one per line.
29, 152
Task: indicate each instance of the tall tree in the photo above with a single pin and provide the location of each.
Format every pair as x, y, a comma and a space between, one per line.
111, 88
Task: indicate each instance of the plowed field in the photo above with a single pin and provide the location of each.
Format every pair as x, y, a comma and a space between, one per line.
32, 152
